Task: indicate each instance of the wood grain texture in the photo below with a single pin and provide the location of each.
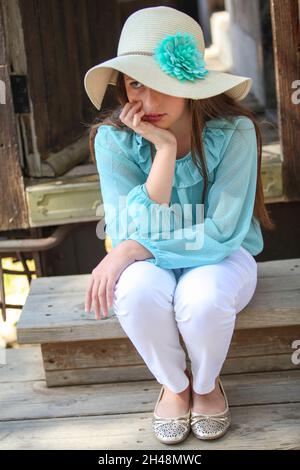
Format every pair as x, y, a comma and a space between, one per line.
265, 412
13, 213
286, 32
54, 310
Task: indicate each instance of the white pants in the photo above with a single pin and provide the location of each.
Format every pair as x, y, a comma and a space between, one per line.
153, 306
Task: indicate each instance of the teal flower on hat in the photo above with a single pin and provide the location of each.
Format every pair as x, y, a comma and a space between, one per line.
179, 56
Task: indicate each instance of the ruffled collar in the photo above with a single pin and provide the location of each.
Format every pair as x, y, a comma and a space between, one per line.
186, 172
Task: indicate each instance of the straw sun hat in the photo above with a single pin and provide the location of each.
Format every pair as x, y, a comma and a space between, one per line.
163, 48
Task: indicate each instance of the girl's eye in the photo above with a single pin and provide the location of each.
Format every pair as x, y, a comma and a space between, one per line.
135, 82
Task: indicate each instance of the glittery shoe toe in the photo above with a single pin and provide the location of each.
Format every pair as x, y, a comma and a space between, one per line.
170, 430
211, 426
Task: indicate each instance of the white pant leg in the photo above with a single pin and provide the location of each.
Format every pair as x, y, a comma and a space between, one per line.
206, 301
143, 303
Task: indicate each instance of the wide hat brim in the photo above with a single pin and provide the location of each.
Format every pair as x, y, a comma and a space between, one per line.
147, 71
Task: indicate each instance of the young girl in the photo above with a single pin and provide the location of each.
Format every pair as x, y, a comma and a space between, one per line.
181, 153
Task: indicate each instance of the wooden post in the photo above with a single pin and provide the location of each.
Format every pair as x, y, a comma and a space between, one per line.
12, 195
286, 41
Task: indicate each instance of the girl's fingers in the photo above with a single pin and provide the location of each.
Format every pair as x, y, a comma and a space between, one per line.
96, 306
125, 110
133, 109
135, 121
96, 299
137, 117
131, 116
102, 296
109, 292
88, 295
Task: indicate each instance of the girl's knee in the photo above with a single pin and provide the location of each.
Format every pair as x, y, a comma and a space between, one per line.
207, 310
143, 284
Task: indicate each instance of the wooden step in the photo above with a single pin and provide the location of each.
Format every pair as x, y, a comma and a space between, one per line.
54, 308
78, 349
265, 411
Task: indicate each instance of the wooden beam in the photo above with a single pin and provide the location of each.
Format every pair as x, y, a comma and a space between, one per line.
286, 42
12, 196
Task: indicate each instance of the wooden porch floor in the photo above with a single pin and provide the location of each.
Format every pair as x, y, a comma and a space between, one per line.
265, 411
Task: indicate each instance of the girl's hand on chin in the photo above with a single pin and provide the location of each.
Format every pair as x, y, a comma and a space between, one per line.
132, 114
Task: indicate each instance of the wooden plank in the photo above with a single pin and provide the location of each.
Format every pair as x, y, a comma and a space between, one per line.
74, 328
62, 318
279, 268
12, 199
263, 427
268, 363
286, 33
31, 368
33, 400
62, 284
60, 48
80, 354
35, 58
102, 375
98, 375
258, 342
22, 364
121, 351
66, 109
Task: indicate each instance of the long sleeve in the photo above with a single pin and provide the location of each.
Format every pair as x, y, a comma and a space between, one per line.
119, 174
229, 210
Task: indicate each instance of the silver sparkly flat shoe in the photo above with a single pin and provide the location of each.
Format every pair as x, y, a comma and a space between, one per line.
170, 430
211, 426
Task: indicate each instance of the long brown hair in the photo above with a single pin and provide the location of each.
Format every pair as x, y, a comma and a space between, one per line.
220, 106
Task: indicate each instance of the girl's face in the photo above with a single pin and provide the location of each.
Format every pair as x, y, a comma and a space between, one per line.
175, 109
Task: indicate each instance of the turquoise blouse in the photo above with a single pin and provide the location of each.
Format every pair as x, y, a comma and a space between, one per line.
193, 235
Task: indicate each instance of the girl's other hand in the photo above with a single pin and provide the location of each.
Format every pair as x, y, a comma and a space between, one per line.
132, 114
105, 275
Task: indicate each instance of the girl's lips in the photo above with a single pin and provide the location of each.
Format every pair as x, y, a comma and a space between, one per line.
153, 117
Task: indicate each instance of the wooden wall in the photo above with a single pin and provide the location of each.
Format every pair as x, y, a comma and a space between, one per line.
13, 209
63, 39
286, 43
